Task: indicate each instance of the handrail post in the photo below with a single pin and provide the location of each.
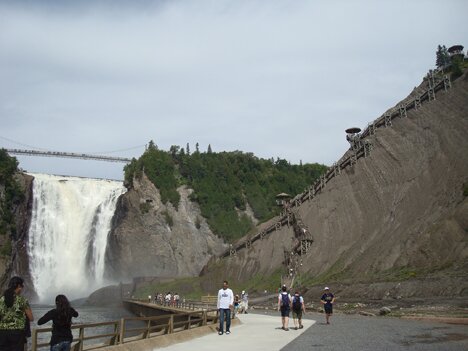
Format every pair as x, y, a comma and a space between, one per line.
34, 340
171, 324
81, 338
205, 313
122, 331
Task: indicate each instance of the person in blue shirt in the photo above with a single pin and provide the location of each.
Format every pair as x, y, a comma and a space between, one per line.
327, 299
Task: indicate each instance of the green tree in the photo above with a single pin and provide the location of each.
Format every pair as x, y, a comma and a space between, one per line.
442, 56
11, 191
224, 183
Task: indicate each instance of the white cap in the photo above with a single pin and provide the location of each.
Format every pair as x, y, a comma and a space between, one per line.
326, 288
243, 291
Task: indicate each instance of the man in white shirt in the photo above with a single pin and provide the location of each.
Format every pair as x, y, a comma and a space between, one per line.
225, 302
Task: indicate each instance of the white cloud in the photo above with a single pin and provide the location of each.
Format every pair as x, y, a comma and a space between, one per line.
279, 78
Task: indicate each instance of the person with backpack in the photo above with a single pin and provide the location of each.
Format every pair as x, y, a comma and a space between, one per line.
298, 308
61, 317
284, 305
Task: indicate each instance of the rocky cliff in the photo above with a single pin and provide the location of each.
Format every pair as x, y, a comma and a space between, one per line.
150, 238
14, 258
397, 219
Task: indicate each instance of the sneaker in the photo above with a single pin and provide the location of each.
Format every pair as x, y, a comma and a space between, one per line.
228, 332
220, 333
301, 326
286, 329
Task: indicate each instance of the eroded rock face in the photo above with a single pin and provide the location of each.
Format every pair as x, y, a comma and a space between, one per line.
398, 214
150, 238
17, 262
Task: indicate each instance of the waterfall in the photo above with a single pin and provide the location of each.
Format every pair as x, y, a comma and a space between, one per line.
70, 222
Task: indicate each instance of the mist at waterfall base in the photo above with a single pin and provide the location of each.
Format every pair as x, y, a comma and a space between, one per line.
70, 222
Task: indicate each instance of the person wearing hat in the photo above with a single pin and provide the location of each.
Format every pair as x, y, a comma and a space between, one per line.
327, 299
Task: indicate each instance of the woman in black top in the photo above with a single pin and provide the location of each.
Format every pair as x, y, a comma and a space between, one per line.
61, 324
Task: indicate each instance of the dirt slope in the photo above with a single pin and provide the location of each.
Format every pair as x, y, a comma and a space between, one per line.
397, 220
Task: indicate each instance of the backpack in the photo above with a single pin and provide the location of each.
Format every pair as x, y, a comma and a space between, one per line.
296, 305
284, 300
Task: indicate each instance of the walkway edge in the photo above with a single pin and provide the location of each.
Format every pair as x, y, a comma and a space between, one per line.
168, 339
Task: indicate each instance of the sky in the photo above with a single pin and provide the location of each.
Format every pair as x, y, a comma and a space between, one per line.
275, 78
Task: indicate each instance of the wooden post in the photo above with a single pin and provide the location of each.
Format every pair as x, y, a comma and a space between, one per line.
34, 340
205, 317
417, 103
81, 339
170, 328
122, 331
388, 120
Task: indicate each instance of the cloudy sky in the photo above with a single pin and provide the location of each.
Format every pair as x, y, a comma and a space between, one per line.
276, 78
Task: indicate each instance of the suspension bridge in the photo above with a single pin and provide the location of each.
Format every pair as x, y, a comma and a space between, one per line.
68, 155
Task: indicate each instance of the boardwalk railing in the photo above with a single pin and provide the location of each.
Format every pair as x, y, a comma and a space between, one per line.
98, 335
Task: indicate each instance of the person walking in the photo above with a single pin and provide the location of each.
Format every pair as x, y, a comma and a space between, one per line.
284, 305
14, 313
298, 308
245, 301
225, 302
327, 299
61, 317
236, 306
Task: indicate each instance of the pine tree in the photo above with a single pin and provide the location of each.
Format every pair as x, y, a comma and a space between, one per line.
209, 149
188, 149
197, 150
442, 56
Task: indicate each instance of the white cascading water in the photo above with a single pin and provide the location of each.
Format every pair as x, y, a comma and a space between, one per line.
70, 223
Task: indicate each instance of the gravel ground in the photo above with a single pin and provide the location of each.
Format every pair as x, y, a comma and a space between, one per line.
355, 332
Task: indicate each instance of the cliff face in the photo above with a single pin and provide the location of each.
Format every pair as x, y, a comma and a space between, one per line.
16, 263
397, 215
153, 239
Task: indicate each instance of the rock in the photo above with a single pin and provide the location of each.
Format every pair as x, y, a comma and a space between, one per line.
158, 240
384, 310
367, 314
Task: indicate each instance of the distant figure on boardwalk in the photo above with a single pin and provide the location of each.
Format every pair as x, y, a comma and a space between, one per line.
225, 303
61, 317
298, 308
176, 299
284, 305
236, 306
245, 301
14, 313
327, 299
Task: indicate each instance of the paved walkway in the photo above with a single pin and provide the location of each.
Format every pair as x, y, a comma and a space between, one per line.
257, 332
261, 331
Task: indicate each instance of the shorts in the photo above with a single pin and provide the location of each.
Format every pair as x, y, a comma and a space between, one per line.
297, 314
285, 311
328, 308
